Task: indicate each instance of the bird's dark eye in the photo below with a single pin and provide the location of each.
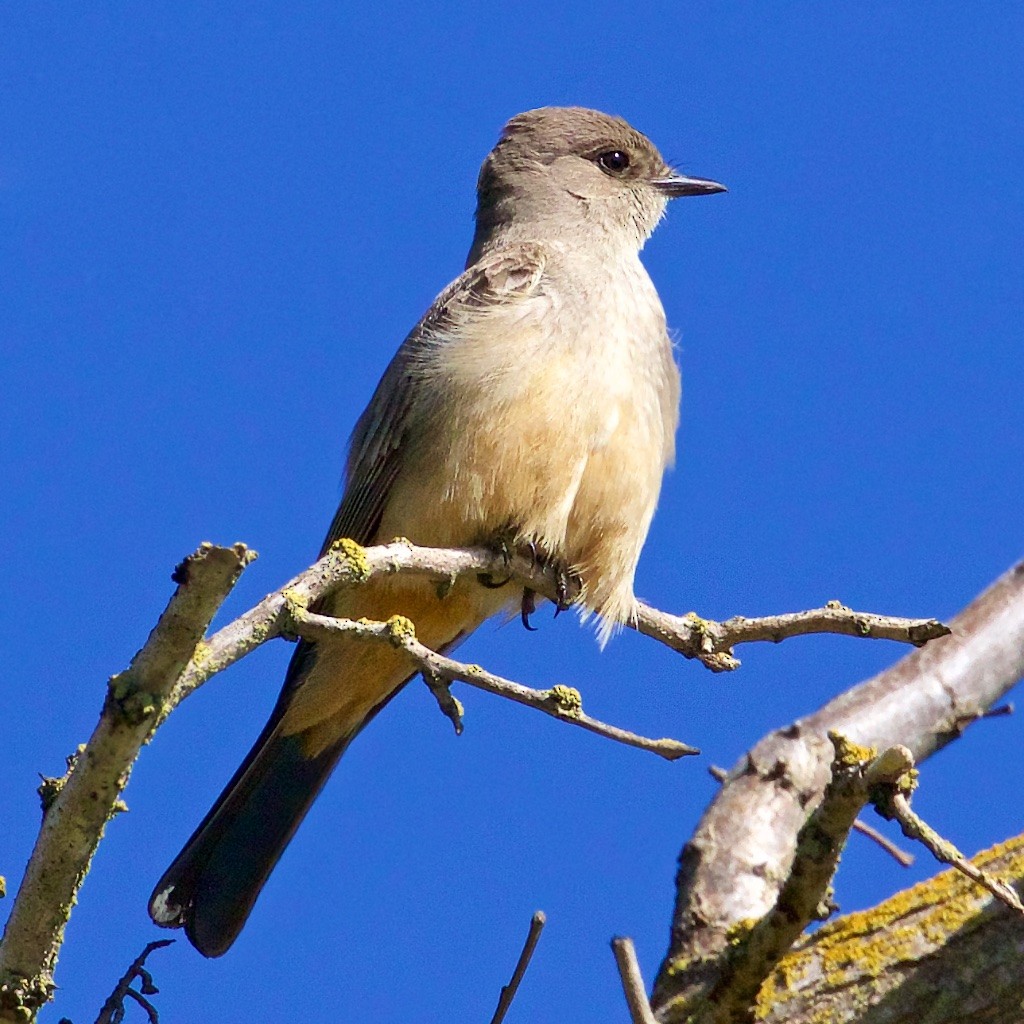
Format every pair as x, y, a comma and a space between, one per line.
614, 161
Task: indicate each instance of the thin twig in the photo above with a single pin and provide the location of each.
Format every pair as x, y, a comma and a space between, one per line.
508, 992
711, 643
899, 855
999, 712
113, 1009
632, 981
913, 827
561, 702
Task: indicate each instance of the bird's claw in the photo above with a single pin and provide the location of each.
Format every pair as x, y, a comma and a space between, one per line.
527, 608
486, 579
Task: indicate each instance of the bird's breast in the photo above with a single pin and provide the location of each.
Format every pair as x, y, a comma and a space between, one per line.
554, 418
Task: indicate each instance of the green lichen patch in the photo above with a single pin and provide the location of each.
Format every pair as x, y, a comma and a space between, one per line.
201, 653
699, 625
567, 700
293, 599
354, 557
849, 754
903, 929
400, 629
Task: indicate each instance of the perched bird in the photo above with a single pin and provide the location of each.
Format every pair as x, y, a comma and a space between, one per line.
535, 403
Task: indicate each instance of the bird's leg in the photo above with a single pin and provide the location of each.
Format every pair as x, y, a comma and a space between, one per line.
568, 585
568, 588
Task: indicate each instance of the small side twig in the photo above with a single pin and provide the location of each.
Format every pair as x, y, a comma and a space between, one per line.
451, 707
632, 981
113, 1009
711, 643
900, 856
1000, 711
508, 992
561, 702
895, 804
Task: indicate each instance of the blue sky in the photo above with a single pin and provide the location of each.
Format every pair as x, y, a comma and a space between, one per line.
218, 226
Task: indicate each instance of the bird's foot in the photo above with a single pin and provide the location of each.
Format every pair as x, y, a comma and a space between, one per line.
504, 545
568, 583
568, 589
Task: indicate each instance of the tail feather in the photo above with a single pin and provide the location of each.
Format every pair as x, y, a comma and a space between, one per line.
211, 887
214, 882
332, 690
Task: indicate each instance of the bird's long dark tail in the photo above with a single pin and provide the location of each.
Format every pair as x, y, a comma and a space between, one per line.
214, 882
332, 690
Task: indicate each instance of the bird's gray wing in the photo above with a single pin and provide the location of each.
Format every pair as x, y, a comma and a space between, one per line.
503, 276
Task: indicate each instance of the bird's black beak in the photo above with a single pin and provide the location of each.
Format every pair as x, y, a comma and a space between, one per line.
675, 185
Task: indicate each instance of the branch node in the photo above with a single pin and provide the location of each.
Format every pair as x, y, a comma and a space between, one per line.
351, 558
451, 707
400, 631
113, 1009
566, 700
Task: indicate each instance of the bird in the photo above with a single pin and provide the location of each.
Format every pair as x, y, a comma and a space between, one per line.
534, 404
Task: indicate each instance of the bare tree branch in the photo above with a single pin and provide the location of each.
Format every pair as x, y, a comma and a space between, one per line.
731, 872
896, 805
804, 895
902, 857
711, 642
177, 659
942, 951
348, 564
561, 702
90, 794
508, 992
113, 1009
632, 981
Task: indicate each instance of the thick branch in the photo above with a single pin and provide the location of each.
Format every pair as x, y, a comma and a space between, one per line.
804, 895
732, 868
943, 951
89, 795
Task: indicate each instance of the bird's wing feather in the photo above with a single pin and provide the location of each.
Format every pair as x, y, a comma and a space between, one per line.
501, 278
